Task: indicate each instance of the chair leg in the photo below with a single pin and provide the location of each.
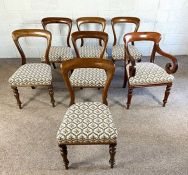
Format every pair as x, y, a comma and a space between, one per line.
16, 94
64, 152
112, 151
129, 96
51, 93
54, 65
167, 92
125, 77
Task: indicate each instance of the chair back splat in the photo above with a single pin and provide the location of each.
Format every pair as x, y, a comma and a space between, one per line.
32, 33
118, 20
90, 34
69, 65
91, 20
58, 20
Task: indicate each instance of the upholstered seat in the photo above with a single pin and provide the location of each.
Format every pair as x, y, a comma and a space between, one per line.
88, 77
119, 50
90, 51
87, 122
150, 73
59, 53
32, 74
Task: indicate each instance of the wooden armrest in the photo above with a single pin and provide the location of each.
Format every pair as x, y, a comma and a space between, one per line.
170, 67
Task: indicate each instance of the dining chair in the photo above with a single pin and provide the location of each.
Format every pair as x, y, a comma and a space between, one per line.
87, 123
32, 74
89, 77
90, 50
59, 54
118, 49
147, 74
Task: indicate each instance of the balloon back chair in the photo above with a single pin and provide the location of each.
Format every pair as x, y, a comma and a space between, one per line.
147, 74
87, 123
89, 77
59, 53
91, 50
118, 49
32, 74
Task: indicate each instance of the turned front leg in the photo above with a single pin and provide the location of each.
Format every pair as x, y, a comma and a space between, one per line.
51, 93
16, 94
129, 96
112, 151
64, 152
167, 93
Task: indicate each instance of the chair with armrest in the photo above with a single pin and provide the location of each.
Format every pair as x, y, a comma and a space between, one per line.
147, 74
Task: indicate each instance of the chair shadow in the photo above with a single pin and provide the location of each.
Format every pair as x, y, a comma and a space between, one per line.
145, 91
45, 90
32, 98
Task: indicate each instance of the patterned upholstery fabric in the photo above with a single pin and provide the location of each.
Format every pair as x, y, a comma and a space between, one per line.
88, 77
91, 51
118, 52
32, 74
59, 53
150, 73
88, 122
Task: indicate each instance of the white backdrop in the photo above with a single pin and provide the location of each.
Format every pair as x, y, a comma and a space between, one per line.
169, 17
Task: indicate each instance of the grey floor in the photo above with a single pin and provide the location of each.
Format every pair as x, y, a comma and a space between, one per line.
152, 139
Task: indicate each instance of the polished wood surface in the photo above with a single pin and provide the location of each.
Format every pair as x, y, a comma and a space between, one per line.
58, 20
89, 34
69, 65
109, 67
17, 34
170, 67
91, 20
156, 38
125, 20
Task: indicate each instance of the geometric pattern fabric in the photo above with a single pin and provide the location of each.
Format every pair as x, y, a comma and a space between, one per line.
150, 73
118, 52
32, 74
87, 122
90, 51
88, 77
59, 53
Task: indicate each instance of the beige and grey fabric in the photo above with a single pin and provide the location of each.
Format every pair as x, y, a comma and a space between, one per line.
88, 77
59, 54
149, 73
119, 50
88, 122
32, 74
90, 51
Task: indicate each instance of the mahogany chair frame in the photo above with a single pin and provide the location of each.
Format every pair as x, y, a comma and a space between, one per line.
109, 67
125, 20
91, 20
170, 68
16, 35
58, 20
102, 36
